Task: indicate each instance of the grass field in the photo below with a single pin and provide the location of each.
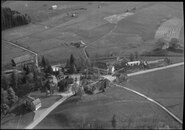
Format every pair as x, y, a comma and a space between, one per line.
129, 34
166, 86
131, 111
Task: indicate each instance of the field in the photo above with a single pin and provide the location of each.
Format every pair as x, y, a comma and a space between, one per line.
131, 111
50, 29
166, 86
169, 29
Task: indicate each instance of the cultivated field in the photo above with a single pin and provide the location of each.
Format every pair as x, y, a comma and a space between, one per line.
169, 29
50, 29
166, 86
131, 110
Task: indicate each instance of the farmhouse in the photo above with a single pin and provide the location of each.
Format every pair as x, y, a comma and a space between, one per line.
32, 103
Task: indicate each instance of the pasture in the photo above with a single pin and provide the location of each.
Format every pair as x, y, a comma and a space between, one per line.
165, 86
50, 29
131, 110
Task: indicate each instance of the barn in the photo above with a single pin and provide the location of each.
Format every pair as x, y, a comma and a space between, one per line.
21, 60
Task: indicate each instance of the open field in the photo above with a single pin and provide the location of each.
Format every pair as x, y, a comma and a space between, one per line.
127, 107
165, 86
131, 33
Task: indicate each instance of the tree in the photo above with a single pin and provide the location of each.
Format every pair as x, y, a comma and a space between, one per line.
136, 55
14, 80
4, 96
4, 108
174, 43
131, 57
4, 82
160, 43
114, 121
43, 62
71, 60
11, 96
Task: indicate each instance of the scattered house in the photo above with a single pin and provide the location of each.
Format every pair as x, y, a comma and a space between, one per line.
56, 68
132, 63
165, 46
54, 7
156, 63
32, 103
76, 78
78, 44
53, 79
25, 59
111, 69
101, 65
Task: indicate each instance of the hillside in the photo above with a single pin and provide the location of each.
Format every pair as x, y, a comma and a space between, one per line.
50, 30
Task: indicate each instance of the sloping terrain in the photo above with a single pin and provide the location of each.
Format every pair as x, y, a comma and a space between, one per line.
51, 29
131, 110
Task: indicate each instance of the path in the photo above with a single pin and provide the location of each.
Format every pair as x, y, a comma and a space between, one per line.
109, 77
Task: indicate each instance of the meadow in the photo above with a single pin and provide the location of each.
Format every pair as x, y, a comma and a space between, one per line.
50, 29
131, 110
165, 86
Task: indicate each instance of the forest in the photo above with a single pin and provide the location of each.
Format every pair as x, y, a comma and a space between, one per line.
11, 18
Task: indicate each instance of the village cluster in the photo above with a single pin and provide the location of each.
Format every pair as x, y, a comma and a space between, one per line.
55, 79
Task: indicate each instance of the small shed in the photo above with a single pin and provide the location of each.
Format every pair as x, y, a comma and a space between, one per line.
32, 103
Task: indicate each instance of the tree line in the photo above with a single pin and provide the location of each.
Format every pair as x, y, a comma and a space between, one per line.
11, 18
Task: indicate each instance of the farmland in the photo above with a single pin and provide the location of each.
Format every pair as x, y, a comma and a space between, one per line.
169, 29
51, 29
128, 108
165, 86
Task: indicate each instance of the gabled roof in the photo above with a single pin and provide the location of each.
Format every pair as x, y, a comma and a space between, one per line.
24, 58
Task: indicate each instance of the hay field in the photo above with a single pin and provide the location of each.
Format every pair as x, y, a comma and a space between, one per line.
129, 34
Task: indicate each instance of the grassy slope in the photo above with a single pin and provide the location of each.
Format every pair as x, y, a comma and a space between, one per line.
127, 106
89, 26
166, 86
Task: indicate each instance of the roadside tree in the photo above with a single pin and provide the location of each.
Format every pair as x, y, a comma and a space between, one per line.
131, 57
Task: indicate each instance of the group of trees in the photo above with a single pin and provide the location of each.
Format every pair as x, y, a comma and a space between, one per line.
8, 98
18, 85
11, 18
134, 56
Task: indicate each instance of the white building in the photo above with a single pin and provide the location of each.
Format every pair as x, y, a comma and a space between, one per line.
132, 63
54, 7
